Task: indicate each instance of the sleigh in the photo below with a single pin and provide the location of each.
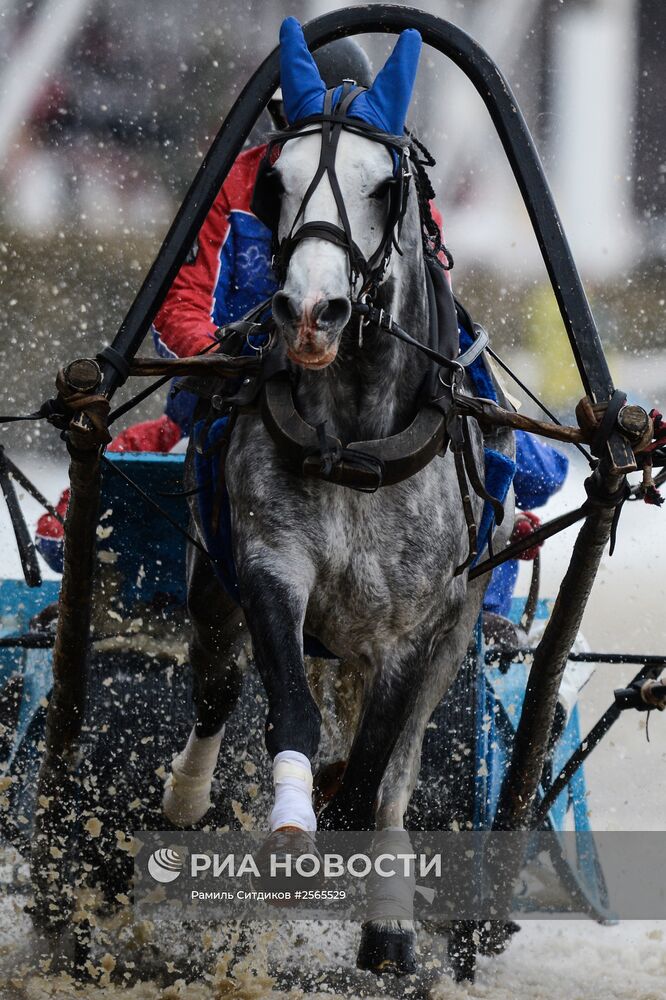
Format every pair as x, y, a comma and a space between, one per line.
140, 682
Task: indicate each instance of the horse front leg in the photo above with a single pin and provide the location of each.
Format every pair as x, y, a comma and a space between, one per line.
387, 943
275, 612
218, 636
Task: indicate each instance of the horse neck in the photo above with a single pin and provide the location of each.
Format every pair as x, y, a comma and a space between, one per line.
371, 389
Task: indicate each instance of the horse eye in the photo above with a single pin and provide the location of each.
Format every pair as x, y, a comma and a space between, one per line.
382, 190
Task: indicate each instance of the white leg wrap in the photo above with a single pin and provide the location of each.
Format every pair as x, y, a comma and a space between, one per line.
187, 789
292, 776
391, 898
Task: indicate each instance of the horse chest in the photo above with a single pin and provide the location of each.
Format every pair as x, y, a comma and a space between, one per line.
378, 570
378, 564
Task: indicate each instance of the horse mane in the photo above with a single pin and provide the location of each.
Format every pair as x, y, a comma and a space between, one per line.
433, 245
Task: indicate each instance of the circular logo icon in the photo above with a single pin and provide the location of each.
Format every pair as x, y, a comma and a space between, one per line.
165, 865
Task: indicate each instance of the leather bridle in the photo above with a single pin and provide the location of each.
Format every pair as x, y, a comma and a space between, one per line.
365, 274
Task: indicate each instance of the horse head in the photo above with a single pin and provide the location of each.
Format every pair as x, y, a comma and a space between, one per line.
340, 190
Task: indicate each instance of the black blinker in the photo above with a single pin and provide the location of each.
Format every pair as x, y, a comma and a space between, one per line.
382, 190
267, 195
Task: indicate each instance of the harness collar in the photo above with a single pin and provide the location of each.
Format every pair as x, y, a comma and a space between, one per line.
367, 465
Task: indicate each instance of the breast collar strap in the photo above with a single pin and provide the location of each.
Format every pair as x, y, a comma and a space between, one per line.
331, 124
364, 465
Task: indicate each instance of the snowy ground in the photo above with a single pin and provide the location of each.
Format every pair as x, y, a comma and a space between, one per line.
547, 960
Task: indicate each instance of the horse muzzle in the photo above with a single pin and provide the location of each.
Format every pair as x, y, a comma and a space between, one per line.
312, 331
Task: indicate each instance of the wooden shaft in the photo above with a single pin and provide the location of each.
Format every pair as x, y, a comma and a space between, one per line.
550, 659
633, 421
531, 743
56, 814
209, 364
487, 412
558, 432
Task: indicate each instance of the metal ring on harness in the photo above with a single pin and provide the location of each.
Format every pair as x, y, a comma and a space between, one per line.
457, 376
270, 341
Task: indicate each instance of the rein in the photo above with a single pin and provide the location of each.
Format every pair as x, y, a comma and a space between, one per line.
384, 321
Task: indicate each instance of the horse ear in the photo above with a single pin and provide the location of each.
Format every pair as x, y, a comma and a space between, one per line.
391, 91
303, 89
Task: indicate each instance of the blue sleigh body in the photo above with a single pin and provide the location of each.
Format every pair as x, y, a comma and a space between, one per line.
481, 710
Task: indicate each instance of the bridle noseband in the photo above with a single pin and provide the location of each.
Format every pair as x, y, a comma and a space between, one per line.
368, 272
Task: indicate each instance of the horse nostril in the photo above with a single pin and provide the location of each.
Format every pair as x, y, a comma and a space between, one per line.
285, 309
332, 312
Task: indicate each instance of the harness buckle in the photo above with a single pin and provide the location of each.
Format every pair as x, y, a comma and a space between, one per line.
364, 299
407, 168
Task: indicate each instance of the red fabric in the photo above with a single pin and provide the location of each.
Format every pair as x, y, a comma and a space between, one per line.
184, 322
153, 435
437, 216
48, 526
526, 523
659, 431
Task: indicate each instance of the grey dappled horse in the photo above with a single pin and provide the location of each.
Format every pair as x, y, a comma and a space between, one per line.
371, 576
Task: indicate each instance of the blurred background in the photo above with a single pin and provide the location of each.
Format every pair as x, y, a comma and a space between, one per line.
107, 107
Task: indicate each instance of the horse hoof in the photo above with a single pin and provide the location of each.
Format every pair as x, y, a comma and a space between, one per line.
327, 783
186, 799
386, 951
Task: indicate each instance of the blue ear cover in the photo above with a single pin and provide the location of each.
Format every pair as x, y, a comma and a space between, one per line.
303, 89
384, 105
